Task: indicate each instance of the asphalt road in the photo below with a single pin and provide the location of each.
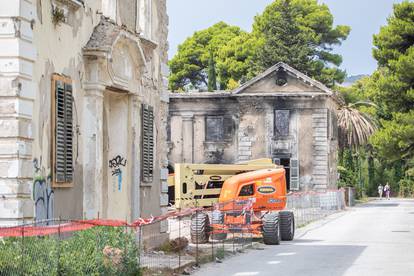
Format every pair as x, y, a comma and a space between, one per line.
373, 239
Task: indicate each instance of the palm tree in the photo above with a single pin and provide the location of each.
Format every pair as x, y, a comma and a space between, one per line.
354, 129
354, 126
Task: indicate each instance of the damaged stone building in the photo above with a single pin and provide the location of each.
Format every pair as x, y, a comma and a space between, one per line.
83, 108
281, 114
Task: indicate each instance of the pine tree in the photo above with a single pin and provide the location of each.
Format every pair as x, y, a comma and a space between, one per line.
300, 33
212, 79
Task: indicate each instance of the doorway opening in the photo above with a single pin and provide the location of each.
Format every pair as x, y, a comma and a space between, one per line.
285, 162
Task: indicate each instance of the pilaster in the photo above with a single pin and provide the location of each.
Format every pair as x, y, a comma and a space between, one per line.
320, 149
188, 138
17, 96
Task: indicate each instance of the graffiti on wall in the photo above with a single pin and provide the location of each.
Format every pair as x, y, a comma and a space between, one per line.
43, 194
115, 164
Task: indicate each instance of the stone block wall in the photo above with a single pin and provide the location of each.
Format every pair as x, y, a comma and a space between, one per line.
320, 149
17, 93
244, 145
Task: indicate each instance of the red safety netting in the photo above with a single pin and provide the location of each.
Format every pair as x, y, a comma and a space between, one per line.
79, 225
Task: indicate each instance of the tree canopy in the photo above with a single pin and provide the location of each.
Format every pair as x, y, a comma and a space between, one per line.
301, 34
391, 89
190, 64
297, 32
392, 85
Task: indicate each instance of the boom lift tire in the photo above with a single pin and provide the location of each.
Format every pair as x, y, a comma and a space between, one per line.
200, 228
217, 217
287, 225
271, 229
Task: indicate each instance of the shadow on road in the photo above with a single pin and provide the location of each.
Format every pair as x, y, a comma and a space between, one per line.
300, 257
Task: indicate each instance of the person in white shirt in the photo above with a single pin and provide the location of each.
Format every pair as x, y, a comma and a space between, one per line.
380, 190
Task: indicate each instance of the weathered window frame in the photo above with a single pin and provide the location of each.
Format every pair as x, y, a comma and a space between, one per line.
67, 88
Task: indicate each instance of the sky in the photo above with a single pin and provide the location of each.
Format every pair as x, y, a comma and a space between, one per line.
365, 17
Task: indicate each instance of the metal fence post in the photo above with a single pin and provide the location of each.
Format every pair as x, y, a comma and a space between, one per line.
97, 245
211, 233
139, 244
126, 241
58, 249
233, 231
179, 238
22, 251
197, 257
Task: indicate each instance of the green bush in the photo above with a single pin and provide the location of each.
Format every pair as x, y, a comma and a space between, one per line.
347, 177
97, 251
406, 187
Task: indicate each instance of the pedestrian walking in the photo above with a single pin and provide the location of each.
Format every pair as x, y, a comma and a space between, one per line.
387, 191
380, 190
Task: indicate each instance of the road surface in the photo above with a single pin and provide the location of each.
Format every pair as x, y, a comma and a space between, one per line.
373, 239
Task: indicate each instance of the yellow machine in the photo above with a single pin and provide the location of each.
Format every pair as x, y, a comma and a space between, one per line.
200, 184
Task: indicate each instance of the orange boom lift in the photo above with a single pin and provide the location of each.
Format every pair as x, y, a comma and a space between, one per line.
249, 202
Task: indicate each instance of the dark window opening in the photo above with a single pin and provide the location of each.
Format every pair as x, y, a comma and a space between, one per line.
285, 162
247, 190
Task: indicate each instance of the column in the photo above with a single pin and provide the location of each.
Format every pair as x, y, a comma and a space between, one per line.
92, 143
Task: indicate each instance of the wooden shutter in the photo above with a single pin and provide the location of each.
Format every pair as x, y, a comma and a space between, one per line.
294, 174
147, 143
281, 126
62, 131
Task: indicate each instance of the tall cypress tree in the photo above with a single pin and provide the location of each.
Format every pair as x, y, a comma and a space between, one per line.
212, 78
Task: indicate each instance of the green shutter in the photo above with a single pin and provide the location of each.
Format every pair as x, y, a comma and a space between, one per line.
147, 143
68, 133
63, 133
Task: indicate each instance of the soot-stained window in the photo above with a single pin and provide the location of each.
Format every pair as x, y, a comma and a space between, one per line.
219, 128
282, 118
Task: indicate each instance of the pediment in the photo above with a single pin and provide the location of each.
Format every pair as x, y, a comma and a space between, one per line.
282, 79
123, 52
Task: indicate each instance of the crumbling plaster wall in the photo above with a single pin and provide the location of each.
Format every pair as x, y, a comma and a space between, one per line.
60, 51
194, 113
253, 136
254, 132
